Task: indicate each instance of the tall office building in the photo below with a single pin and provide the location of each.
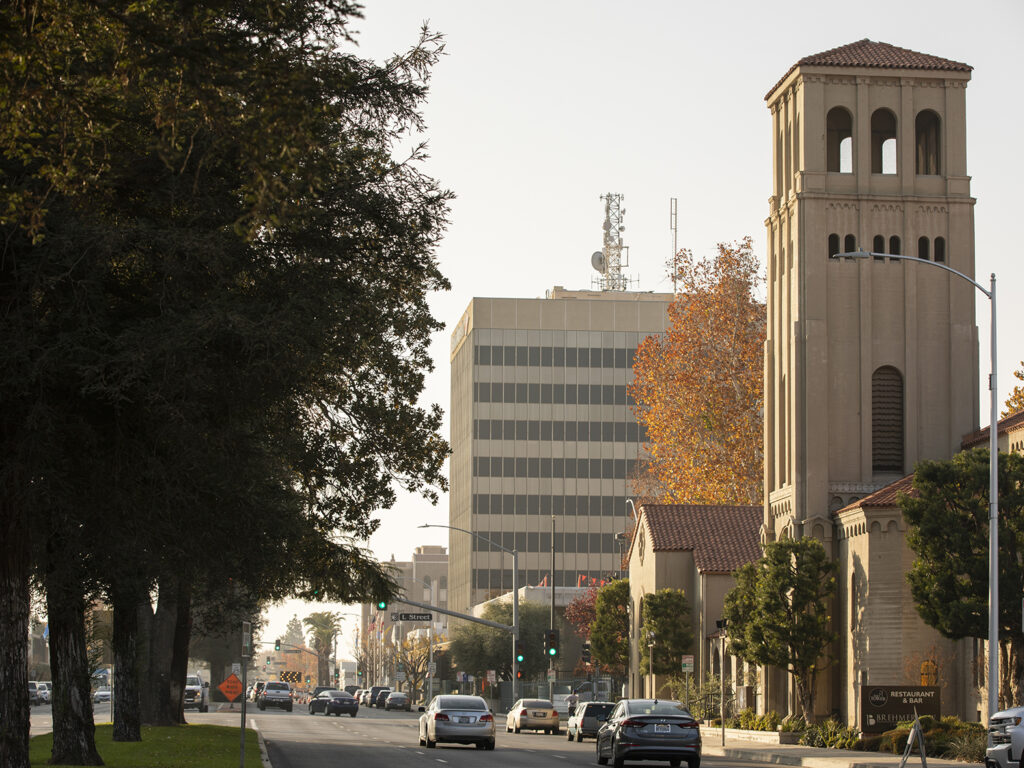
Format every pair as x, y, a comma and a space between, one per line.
542, 429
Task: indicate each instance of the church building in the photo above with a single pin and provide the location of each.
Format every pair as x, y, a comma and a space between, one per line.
871, 364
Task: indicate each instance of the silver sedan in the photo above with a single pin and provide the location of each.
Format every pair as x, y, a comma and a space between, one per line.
458, 720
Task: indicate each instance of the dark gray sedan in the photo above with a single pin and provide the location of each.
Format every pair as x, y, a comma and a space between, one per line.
649, 729
333, 702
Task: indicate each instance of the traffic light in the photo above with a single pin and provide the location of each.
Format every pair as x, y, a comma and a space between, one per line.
551, 643
268, 661
519, 674
277, 644
520, 656
382, 604
307, 679
337, 674
586, 652
359, 673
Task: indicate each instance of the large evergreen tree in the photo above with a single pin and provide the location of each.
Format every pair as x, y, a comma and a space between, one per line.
609, 634
213, 282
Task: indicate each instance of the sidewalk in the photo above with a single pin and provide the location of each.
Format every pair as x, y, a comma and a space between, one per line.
810, 757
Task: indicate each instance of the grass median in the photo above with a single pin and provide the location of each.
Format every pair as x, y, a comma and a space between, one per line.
183, 746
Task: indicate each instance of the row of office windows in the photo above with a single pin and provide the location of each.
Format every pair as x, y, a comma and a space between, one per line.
507, 466
583, 431
924, 247
532, 504
553, 357
499, 579
558, 394
540, 541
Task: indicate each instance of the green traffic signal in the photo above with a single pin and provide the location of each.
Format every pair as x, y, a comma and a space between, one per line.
277, 645
552, 651
382, 604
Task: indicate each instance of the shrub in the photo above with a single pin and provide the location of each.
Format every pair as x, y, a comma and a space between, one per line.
830, 734
793, 723
967, 746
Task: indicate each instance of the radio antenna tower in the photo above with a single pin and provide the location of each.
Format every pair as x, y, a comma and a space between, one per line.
609, 260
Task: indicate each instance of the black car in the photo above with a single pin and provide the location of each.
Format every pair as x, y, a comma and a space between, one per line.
649, 729
371, 697
333, 702
380, 698
397, 700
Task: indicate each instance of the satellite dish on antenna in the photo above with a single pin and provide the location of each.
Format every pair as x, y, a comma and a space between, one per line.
597, 260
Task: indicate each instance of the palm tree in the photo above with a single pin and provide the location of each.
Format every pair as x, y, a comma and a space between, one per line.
322, 626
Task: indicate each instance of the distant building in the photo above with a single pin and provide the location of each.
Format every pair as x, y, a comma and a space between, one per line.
541, 427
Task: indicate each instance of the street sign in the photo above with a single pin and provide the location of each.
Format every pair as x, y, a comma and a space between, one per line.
687, 665
236, 669
400, 677
432, 668
394, 617
231, 688
492, 677
290, 676
551, 675
415, 616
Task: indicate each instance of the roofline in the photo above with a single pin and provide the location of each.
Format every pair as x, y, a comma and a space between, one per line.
798, 70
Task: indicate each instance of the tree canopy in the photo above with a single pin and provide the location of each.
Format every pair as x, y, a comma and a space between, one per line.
1015, 402
609, 633
665, 623
699, 387
476, 648
948, 529
778, 612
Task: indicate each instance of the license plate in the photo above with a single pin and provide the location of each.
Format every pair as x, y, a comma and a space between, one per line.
463, 720
540, 714
662, 728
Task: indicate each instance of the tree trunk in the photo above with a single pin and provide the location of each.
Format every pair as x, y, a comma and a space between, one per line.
14, 603
158, 707
74, 733
126, 702
1011, 672
180, 645
805, 692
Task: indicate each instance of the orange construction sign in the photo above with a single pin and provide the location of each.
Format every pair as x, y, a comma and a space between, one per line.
231, 688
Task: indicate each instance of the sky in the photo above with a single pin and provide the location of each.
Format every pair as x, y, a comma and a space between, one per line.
540, 107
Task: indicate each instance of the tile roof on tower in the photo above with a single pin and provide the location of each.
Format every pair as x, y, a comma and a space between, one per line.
722, 538
868, 53
884, 497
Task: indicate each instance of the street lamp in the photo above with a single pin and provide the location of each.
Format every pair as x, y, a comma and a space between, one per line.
515, 597
993, 475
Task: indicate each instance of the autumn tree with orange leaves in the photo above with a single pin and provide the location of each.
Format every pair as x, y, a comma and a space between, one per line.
1015, 402
699, 387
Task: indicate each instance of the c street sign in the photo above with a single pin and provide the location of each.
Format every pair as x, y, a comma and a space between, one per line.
415, 617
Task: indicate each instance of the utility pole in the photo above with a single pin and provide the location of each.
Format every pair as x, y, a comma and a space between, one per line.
551, 662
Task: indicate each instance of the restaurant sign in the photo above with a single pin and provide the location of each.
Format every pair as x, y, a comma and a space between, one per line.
883, 706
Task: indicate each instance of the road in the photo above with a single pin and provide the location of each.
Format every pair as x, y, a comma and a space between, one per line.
377, 739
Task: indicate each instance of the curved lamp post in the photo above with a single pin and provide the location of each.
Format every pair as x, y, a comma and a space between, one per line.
515, 597
993, 477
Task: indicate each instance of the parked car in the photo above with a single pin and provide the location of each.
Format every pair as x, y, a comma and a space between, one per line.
276, 694
649, 729
43, 692
102, 694
457, 720
197, 694
364, 697
33, 692
332, 702
1005, 739
533, 715
587, 719
397, 700
375, 692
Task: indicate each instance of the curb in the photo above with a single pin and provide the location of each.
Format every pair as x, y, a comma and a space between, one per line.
264, 757
842, 758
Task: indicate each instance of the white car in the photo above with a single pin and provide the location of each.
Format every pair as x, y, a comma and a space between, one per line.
102, 694
458, 720
43, 692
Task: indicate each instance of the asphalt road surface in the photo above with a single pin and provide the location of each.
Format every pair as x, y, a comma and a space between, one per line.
378, 739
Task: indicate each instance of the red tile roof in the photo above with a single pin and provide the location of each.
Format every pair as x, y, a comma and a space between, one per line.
868, 53
980, 437
722, 538
884, 497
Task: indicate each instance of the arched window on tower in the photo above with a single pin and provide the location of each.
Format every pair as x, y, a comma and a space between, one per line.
839, 143
922, 248
887, 420
940, 249
833, 245
883, 141
926, 146
894, 245
849, 244
878, 246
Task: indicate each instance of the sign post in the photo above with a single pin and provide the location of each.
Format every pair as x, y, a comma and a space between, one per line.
246, 655
687, 670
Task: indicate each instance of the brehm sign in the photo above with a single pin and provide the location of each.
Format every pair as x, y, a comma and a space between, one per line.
883, 706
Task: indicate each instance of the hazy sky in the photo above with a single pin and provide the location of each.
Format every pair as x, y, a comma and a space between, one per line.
538, 108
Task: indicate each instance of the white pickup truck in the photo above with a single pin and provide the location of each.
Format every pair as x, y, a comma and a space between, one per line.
1005, 739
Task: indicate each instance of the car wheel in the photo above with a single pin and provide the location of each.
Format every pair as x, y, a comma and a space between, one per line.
568, 734
517, 728
262, 708
205, 708
693, 762
675, 763
579, 736
600, 759
490, 745
508, 728
289, 709
311, 710
351, 714
557, 731
619, 762
430, 744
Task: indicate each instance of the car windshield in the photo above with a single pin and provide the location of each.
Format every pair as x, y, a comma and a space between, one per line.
593, 710
277, 687
397, 695
191, 680
655, 707
538, 704
333, 694
461, 702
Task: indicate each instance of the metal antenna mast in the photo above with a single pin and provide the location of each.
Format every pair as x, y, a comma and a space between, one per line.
608, 261
673, 224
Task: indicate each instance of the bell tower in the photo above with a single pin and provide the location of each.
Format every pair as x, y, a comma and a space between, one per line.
870, 365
